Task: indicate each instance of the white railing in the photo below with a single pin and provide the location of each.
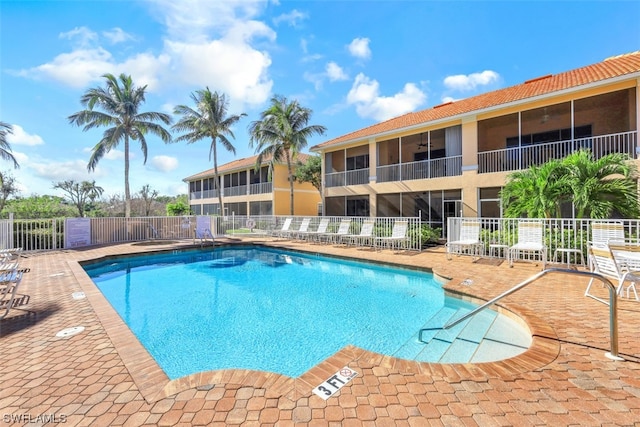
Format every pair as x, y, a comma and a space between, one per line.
498, 234
206, 194
239, 190
351, 177
261, 188
517, 158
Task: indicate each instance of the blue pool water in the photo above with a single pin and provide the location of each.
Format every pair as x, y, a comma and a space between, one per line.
264, 309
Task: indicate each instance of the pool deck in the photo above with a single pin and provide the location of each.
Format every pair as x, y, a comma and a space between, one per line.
102, 376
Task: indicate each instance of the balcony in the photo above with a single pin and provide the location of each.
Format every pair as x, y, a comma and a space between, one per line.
261, 188
239, 190
351, 177
424, 169
517, 158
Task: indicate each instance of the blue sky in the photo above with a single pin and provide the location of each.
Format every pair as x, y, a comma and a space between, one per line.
354, 63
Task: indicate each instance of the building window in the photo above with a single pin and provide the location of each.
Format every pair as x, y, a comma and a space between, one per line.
489, 202
358, 162
261, 208
358, 206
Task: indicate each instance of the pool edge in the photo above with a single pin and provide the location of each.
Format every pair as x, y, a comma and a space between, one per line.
155, 385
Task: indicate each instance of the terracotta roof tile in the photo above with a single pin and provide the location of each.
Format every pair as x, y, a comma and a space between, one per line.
239, 164
609, 68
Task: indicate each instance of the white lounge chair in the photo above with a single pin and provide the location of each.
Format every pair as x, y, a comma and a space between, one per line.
398, 235
322, 229
603, 233
530, 242
365, 235
343, 230
202, 234
605, 263
304, 227
468, 239
9, 298
285, 228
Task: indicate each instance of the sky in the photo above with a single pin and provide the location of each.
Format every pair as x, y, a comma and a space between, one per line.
353, 63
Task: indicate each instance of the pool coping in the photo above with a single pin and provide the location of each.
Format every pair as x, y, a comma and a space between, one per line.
155, 385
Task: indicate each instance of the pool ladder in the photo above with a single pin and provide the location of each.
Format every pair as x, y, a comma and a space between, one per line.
613, 304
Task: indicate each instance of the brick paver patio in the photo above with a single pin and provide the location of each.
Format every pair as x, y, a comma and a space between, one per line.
102, 376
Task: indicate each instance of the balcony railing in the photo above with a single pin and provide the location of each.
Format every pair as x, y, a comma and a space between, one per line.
239, 190
517, 158
424, 169
352, 177
261, 188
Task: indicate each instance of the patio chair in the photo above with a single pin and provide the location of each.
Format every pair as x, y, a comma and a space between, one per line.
10, 254
202, 234
602, 233
365, 235
469, 238
304, 227
343, 230
398, 235
605, 263
322, 229
9, 297
530, 242
285, 228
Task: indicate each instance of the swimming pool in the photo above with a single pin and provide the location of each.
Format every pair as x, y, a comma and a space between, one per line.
271, 310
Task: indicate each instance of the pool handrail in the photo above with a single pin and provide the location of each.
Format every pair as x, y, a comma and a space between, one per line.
613, 304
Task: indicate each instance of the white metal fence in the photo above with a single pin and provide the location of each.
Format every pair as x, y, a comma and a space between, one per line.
266, 225
559, 235
50, 234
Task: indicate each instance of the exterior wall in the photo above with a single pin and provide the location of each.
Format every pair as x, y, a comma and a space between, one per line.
508, 121
306, 196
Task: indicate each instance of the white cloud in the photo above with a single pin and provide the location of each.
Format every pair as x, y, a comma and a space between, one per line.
21, 158
76, 69
62, 171
20, 137
292, 18
461, 82
207, 44
335, 72
231, 66
446, 99
114, 154
359, 47
81, 36
164, 163
117, 35
365, 95
196, 20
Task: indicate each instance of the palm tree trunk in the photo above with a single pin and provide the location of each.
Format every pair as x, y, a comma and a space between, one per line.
215, 175
290, 180
127, 193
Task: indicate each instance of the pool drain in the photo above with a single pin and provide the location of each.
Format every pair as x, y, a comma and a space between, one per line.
70, 331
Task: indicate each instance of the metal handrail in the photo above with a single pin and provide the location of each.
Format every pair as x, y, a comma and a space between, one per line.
613, 303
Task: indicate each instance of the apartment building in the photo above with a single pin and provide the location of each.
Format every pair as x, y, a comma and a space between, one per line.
453, 159
247, 191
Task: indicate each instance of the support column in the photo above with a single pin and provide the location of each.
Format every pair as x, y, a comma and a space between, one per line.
469, 166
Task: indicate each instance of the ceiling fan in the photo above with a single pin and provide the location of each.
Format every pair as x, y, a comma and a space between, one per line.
545, 116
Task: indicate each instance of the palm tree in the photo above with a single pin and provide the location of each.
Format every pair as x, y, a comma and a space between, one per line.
601, 186
120, 102
281, 133
536, 192
208, 120
5, 148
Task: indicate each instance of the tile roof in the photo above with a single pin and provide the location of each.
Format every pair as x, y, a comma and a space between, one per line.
239, 164
608, 69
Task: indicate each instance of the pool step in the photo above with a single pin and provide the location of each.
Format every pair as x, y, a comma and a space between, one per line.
455, 345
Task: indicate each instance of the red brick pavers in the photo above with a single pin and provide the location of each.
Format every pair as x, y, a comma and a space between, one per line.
102, 376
